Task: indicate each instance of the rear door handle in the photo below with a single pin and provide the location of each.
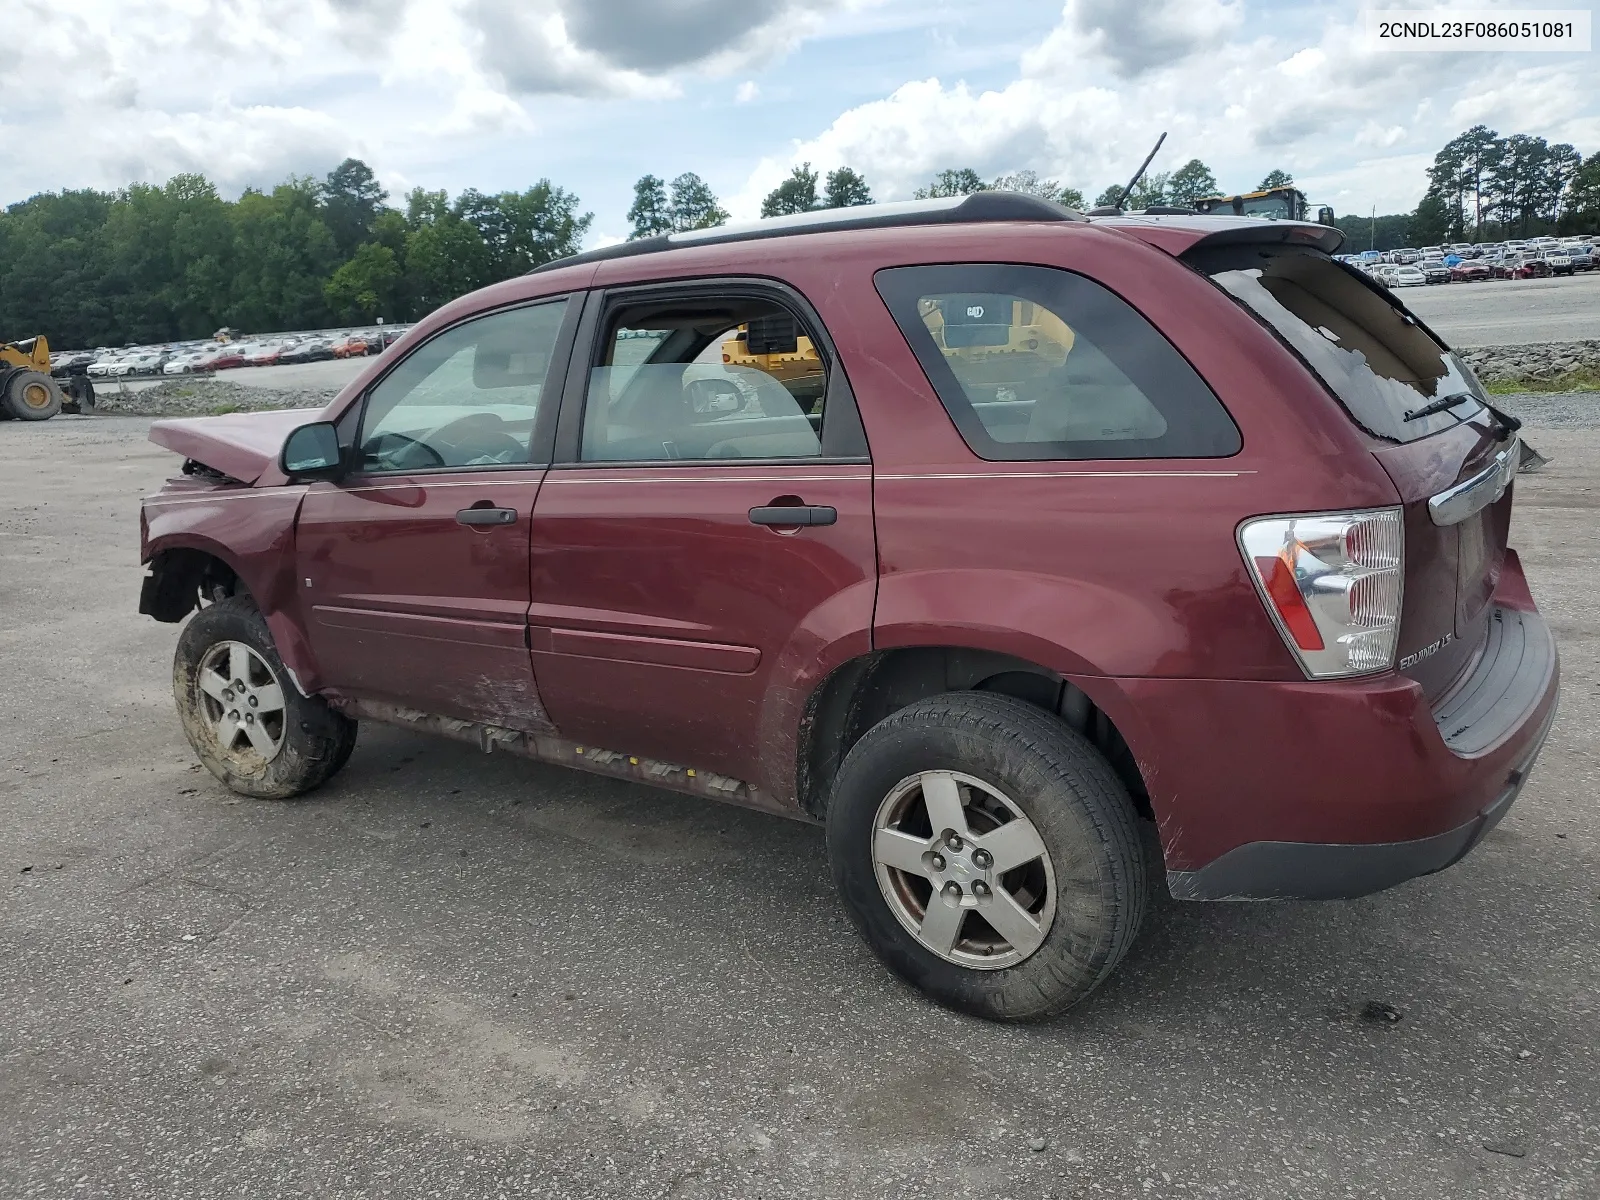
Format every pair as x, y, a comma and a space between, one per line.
798, 514
487, 516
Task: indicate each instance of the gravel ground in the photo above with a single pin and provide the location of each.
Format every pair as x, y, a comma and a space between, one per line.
456, 975
196, 397
1553, 410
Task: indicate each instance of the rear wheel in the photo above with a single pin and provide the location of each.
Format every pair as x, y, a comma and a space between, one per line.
242, 714
32, 396
989, 854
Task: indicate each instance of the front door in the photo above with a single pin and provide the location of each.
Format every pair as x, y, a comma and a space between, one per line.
711, 532
414, 568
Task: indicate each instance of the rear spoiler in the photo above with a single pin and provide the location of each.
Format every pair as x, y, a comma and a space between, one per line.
1179, 235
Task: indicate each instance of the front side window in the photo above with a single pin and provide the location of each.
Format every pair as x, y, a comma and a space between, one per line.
710, 377
466, 398
1039, 363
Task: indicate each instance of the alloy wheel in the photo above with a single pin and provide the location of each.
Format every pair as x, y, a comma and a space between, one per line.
242, 701
964, 870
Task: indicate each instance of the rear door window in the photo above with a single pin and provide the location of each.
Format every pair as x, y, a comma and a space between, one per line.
1038, 363
709, 376
1383, 364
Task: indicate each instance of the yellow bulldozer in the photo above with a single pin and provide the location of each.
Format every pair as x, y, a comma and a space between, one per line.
27, 392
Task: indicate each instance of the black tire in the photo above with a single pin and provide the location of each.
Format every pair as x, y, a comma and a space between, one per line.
1075, 802
315, 740
32, 396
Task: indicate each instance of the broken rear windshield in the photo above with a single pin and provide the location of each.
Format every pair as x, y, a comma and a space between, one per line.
1371, 353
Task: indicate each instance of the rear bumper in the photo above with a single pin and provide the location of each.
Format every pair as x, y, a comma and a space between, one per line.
1321, 790
1342, 871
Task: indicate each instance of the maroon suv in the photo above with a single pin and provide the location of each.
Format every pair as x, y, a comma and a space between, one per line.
986, 534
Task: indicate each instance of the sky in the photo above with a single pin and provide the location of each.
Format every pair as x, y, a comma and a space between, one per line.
592, 94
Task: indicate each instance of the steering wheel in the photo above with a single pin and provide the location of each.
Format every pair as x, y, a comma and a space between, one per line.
479, 436
394, 459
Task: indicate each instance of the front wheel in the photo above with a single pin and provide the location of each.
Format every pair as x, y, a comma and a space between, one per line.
242, 714
988, 854
32, 396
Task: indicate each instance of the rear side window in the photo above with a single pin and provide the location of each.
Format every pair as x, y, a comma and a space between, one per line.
712, 376
1038, 363
1379, 360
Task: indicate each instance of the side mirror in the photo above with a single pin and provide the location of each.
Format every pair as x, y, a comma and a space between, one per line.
312, 452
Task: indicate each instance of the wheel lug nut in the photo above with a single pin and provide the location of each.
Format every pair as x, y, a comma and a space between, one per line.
952, 890
249, 718
954, 842
981, 859
254, 702
980, 888
938, 862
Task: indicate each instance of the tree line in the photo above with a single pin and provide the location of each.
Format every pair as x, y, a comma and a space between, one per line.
163, 263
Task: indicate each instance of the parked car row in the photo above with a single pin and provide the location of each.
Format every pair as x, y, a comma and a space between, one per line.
1536, 259
185, 358
1408, 255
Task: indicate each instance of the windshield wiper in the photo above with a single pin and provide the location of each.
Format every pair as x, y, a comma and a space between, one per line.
1439, 405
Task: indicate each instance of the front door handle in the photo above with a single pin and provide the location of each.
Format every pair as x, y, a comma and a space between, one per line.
791, 515
487, 516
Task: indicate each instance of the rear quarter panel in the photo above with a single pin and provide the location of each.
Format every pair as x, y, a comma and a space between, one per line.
1108, 567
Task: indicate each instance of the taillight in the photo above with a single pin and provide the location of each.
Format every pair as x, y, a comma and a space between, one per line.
1332, 584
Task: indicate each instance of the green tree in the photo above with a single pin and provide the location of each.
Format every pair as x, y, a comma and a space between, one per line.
1028, 183
1519, 178
283, 256
1432, 222
1110, 198
445, 258
351, 200
1275, 178
1150, 191
1561, 163
796, 194
845, 188
523, 230
424, 207
1465, 167
365, 287
651, 213
1580, 208
962, 181
1385, 232
694, 204
1190, 182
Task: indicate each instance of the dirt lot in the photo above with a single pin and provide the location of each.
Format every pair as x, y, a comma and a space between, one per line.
455, 975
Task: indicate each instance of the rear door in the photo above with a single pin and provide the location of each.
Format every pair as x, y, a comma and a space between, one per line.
414, 568
1431, 429
706, 527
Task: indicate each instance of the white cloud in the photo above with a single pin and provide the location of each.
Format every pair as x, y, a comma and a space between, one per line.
1242, 103
747, 91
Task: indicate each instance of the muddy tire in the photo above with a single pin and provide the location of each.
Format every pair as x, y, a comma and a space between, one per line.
32, 396
988, 854
243, 715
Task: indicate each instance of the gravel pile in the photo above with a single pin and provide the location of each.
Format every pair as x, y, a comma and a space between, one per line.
1545, 360
1553, 410
206, 397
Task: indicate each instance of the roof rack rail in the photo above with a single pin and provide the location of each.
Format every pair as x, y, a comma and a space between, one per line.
948, 210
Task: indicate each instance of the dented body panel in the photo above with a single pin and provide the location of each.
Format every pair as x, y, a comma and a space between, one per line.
242, 446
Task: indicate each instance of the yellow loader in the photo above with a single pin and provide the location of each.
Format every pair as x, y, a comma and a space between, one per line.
26, 390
